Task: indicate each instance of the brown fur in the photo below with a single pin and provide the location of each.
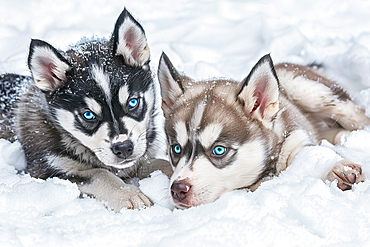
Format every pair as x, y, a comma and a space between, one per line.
261, 122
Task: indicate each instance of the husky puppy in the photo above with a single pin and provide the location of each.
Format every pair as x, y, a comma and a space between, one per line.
90, 114
225, 135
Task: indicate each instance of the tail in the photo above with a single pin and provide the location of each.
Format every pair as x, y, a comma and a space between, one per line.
11, 86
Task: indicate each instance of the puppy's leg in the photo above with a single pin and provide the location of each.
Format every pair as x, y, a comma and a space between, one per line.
346, 114
105, 186
152, 165
334, 135
346, 173
294, 143
323, 100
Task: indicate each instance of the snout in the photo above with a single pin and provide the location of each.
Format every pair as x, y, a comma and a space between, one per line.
180, 191
123, 149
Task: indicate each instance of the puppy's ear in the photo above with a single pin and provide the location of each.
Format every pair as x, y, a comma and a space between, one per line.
171, 82
129, 40
259, 92
47, 65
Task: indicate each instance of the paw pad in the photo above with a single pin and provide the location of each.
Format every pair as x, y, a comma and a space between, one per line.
346, 173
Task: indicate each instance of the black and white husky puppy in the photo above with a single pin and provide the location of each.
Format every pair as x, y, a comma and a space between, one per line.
224, 135
90, 114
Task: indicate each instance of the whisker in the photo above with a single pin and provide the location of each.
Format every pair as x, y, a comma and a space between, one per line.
159, 147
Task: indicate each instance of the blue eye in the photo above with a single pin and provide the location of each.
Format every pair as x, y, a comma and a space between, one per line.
177, 149
133, 103
89, 115
219, 150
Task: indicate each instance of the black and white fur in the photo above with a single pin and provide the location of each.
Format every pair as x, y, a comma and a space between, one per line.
90, 114
224, 135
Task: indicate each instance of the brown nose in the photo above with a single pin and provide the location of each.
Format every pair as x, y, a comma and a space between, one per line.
179, 190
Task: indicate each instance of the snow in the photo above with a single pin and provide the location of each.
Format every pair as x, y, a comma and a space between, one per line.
221, 38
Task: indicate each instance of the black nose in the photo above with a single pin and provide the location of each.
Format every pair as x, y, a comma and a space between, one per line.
124, 149
179, 190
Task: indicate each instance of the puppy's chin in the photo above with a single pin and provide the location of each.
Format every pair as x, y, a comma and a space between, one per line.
192, 200
183, 206
189, 203
124, 164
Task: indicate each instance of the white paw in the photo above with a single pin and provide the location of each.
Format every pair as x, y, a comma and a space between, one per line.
129, 197
346, 173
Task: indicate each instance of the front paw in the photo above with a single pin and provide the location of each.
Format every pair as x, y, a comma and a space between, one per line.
346, 173
129, 197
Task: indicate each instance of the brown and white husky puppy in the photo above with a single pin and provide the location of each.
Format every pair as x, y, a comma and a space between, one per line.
89, 114
225, 135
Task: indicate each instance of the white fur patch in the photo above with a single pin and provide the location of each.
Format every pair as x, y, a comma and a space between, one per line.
93, 105
102, 79
181, 133
149, 99
247, 167
120, 138
179, 171
132, 125
210, 134
123, 95
197, 116
66, 120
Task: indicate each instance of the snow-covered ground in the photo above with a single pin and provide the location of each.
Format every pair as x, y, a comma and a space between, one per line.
204, 39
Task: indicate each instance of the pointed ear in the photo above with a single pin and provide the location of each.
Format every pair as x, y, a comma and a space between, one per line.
47, 65
129, 40
170, 81
259, 92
